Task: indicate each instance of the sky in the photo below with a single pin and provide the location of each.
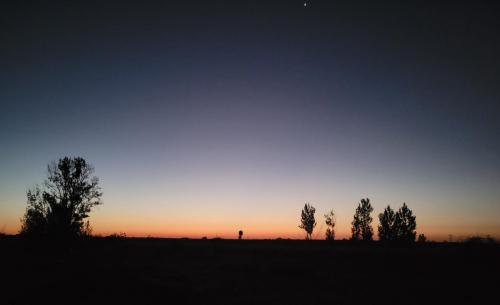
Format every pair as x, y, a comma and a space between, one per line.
202, 118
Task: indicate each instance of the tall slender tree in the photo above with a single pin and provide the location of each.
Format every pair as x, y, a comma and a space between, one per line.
330, 225
386, 228
405, 224
361, 224
307, 220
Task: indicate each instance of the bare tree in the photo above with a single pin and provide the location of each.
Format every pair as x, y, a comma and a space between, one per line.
307, 220
330, 223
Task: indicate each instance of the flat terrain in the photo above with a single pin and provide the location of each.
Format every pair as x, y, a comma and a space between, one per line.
186, 271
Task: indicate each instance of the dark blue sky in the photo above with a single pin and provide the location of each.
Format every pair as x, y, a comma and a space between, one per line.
217, 105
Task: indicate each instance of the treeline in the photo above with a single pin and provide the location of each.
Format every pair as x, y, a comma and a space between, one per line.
59, 208
394, 226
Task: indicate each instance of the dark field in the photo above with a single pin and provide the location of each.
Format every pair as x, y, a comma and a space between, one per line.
178, 271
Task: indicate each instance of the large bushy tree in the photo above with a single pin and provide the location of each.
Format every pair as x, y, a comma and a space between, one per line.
397, 226
361, 224
60, 206
307, 220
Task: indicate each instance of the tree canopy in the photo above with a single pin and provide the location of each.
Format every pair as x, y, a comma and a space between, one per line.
308, 222
330, 224
361, 223
60, 206
405, 224
399, 226
386, 229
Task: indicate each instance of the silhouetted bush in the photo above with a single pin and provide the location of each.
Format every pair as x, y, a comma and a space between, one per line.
421, 238
480, 240
361, 224
307, 220
59, 209
240, 234
117, 236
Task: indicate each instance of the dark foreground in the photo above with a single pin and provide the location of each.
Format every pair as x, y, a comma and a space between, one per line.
168, 271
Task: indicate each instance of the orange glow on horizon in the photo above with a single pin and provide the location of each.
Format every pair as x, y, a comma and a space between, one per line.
257, 232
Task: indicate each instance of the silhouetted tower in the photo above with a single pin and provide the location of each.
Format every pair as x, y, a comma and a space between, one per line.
240, 234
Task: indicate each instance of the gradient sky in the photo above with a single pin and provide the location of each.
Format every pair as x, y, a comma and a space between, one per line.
205, 117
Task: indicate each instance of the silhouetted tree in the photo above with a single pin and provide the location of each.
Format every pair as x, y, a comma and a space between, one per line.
34, 222
361, 224
405, 224
240, 234
307, 220
330, 225
421, 238
386, 228
59, 209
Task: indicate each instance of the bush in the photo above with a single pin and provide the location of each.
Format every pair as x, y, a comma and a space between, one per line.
480, 240
117, 236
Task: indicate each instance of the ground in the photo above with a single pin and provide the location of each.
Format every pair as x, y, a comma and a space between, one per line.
188, 271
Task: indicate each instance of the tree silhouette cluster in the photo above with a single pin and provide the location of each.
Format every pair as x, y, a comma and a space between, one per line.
59, 208
394, 226
397, 226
